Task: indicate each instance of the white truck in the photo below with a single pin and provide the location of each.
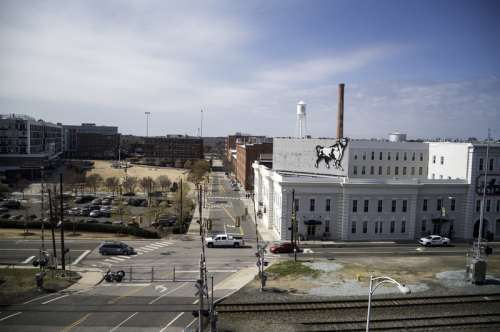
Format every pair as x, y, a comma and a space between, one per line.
225, 240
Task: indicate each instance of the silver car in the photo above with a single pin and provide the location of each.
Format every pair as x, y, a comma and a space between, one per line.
434, 240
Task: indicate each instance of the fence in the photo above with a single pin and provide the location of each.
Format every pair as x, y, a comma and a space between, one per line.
146, 274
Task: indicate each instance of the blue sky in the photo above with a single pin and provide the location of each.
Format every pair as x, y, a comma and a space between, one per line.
428, 68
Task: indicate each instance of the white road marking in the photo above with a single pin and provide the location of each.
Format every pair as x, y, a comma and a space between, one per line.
123, 322
55, 299
140, 253
171, 322
38, 298
126, 257
81, 257
187, 326
308, 251
170, 292
28, 260
209, 271
116, 259
7, 317
125, 285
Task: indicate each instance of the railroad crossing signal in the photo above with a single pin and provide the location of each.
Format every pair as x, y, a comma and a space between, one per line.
200, 288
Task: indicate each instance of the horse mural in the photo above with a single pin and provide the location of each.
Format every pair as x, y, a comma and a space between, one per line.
333, 153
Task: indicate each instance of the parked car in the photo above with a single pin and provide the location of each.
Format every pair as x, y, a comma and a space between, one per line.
95, 214
96, 201
16, 217
84, 199
3, 209
167, 221
11, 204
434, 240
6, 216
105, 214
106, 201
115, 248
283, 248
129, 194
225, 240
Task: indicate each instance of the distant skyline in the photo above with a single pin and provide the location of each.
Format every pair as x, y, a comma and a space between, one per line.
426, 68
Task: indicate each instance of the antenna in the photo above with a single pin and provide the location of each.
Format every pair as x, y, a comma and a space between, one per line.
201, 124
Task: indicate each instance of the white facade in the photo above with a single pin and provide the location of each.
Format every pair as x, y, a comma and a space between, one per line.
380, 191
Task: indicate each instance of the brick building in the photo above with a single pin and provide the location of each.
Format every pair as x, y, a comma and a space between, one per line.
246, 154
172, 150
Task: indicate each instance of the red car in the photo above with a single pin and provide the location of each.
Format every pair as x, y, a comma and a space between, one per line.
285, 247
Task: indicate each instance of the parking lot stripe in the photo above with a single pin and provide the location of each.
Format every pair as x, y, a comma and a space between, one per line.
81, 257
126, 257
28, 260
171, 322
55, 299
7, 317
123, 322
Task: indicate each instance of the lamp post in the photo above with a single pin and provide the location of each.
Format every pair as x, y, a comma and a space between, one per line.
379, 281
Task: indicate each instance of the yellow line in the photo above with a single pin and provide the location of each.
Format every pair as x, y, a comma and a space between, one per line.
133, 291
78, 322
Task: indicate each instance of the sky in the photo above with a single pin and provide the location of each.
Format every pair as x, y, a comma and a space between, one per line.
429, 68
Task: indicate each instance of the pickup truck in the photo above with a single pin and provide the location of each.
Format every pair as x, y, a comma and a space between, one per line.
225, 240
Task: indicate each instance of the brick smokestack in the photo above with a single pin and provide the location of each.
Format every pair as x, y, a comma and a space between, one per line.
340, 114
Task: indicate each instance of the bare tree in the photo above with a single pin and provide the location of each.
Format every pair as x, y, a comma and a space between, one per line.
130, 183
93, 181
147, 184
164, 182
112, 184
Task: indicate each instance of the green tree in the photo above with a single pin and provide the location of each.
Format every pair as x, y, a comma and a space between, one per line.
93, 181
164, 182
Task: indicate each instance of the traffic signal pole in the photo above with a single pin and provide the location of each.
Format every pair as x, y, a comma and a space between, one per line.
63, 252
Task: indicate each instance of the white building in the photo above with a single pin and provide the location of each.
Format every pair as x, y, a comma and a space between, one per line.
371, 190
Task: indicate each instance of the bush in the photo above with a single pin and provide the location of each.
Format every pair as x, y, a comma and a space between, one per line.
89, 227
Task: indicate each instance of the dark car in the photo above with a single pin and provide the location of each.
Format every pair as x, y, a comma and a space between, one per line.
285, 247
167, 221
11, 204
84, 199
115, 248
129, 194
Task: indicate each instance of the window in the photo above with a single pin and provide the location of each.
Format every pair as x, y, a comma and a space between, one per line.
376, 227
433, 159
481, 161
367, 203
405, 205
388, 170
424, 226
421, 156
498, 205
327, 208
296, 204
353, 227
355, 157
355, 170
396, 170
364, 155
327, 226
373, 155
379, 207
380, 170
403, 226
488, 205
380, 225
424, 205
405, 156
413, 171
393, 223
372, 170
363, 170
380, 155
439, 204
312, 202
478, 205
397, 155
492, 161
404, 170
393, 207
442, 160
354, 206
420, 171
452, 204
388, 156
365, 226
441, 177
413, 156
433, 176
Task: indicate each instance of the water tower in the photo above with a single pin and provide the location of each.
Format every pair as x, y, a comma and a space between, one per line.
301, 120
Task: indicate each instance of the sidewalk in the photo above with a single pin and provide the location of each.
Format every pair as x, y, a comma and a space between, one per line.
90, 277
265, 234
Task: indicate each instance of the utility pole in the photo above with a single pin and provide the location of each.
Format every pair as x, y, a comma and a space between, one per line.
294, 223
42, 212
147, 123
201, 125
200, 294
182, 221
52, 216
63, 253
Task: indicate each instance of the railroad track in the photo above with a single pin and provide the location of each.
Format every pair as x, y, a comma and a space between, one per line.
356, 304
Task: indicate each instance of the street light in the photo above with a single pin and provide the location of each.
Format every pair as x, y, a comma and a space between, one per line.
147, 123
379, 281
